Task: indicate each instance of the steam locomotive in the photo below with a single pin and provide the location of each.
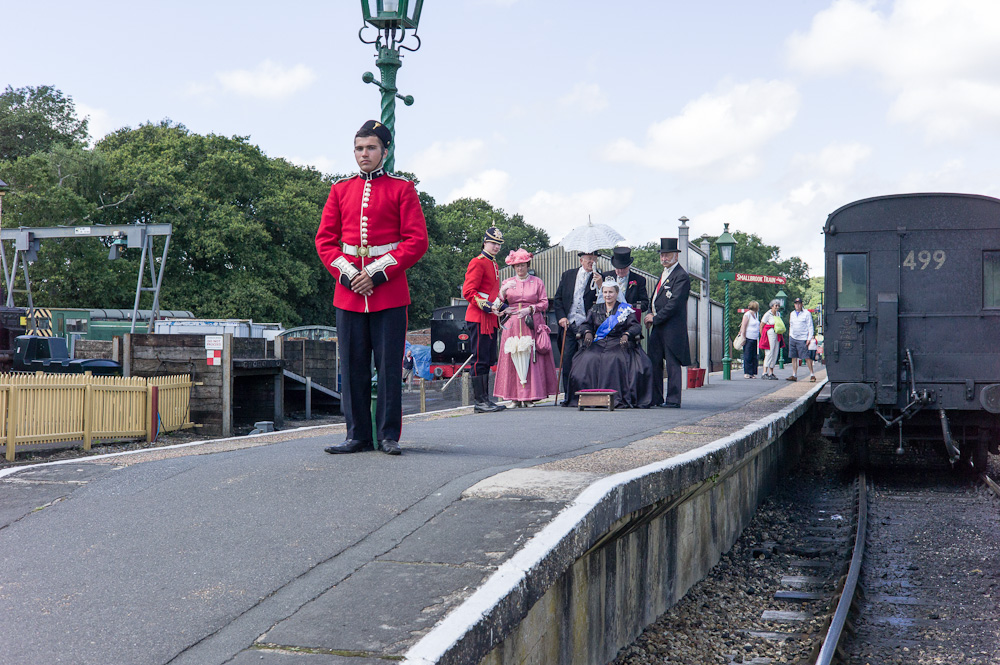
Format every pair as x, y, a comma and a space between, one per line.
912, 323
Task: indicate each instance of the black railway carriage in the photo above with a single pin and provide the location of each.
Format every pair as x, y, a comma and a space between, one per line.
912, 323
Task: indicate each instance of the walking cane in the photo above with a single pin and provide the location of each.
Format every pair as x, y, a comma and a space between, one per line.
457, 372
562, 351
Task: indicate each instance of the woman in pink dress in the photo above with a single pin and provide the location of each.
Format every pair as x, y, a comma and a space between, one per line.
527, 304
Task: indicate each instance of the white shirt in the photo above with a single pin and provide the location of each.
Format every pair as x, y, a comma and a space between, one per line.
622, 284
577, 314
663, 280
800, 325
753, 325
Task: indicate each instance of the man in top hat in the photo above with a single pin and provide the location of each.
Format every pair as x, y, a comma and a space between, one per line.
482, 289
668, 339
371, 232
631, 286
577, 293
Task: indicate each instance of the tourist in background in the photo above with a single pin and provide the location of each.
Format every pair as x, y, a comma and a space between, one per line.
800, 332
770, 340
750, 329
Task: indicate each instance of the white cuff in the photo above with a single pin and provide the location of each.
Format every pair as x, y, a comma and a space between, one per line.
380, 264
345, 267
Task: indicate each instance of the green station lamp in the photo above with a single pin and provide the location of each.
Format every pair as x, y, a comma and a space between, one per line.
394, 22
726, 245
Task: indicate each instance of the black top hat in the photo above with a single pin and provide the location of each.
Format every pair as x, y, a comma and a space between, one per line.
668, 245
621, 257
493, 234
378, 129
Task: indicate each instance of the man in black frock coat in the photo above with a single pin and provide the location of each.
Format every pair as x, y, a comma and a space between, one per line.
631, 286
668, 340
576, 294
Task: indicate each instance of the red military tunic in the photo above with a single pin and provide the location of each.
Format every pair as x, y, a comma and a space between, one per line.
372, 222
482, 277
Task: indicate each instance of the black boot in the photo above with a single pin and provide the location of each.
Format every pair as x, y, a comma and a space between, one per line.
486, 392
483, 404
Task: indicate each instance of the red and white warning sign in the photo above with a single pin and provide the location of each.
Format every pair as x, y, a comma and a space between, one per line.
214, 356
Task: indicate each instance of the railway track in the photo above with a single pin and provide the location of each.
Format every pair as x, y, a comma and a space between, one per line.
924, 582
926, 574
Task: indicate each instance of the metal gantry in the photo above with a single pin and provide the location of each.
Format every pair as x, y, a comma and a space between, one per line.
27, 241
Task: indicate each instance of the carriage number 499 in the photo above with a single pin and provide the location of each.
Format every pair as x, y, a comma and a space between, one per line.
924, 257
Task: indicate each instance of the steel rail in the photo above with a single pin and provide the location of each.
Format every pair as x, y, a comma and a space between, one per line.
990, 483
832, 639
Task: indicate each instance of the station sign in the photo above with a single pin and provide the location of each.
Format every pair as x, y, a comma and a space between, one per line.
760, 279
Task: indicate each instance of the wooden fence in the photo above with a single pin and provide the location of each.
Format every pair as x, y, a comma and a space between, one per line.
49, 408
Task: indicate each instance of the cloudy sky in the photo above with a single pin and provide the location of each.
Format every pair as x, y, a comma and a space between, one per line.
767, 115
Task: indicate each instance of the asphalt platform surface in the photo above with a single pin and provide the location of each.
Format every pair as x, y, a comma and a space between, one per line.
268, 550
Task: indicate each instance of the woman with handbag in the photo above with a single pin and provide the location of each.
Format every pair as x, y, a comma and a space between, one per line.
526, 371
770, 339
750, 333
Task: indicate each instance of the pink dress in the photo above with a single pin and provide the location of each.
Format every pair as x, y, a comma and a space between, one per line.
541, 374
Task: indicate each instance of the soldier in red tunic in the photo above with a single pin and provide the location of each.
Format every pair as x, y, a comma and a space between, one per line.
482, 289
371, 231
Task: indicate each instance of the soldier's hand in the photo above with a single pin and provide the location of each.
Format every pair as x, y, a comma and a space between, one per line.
362, 284
564, 322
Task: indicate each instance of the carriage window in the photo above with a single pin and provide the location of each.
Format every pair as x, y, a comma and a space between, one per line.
991, 280
852, 281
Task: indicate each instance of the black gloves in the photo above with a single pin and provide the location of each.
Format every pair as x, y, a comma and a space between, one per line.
588, 339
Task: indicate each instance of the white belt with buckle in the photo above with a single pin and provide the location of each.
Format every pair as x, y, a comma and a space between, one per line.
368, 250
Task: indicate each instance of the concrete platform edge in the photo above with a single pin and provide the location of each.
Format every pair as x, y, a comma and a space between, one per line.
483, 620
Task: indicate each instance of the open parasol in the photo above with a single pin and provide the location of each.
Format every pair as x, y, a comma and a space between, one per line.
590, 238
520, 347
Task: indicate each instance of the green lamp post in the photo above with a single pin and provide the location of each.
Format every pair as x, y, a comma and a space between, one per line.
782, 298
392, 19
727, 249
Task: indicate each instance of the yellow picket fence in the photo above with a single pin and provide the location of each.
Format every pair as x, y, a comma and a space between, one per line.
48, 408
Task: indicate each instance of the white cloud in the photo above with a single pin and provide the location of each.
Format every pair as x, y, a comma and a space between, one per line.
837, 160
717, 135
940, 60
560, 213
489, 185
268, 81
586, 97
99, 122
445, 158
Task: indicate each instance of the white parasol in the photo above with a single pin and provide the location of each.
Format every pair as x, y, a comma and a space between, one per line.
520, 347
590, 238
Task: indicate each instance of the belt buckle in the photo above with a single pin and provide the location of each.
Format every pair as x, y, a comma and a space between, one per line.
363, 251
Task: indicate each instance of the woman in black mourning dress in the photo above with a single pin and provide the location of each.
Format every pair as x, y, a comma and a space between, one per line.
609, 357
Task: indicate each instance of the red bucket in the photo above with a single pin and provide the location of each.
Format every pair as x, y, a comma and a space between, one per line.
701, 377
692, 377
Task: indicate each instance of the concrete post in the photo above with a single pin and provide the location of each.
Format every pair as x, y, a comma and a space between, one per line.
683, 240
705, 316
465, 388
423, 396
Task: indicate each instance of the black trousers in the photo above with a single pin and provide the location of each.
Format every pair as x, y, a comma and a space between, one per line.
659, 353
359, 336
484, 349
569, 350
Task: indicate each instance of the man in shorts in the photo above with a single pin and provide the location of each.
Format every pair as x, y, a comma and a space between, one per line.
800, 331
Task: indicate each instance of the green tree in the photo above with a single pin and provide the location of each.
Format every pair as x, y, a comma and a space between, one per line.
34, 120
753, 257
458, 238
